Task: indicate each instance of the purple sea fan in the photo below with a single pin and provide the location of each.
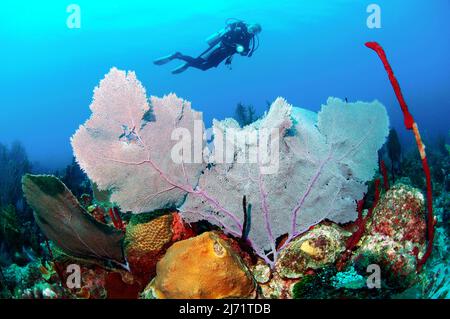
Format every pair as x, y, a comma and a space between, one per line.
324, 161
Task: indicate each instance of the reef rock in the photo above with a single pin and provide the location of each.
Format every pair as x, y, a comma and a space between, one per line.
44, 290
261, 272
202, 267
396, 236
315, 249
277, 287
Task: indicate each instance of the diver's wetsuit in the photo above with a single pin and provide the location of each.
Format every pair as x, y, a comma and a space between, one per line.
237, 34
223, 47
207, 61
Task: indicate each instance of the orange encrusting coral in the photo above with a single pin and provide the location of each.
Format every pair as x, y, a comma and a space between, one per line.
202, 267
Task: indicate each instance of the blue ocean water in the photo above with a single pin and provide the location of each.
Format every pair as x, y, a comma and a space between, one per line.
309, 50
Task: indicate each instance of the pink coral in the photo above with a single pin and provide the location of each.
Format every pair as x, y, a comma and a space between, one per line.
125, 137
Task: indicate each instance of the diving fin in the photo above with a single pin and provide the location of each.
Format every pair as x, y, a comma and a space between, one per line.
165, 59
180, 69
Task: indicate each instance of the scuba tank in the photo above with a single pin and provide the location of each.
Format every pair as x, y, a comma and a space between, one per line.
215, 38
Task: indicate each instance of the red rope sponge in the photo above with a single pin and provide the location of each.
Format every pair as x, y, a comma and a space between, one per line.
410, 124
407, 117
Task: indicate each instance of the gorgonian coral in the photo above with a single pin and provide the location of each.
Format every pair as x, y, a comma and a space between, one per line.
124, 148
295, 167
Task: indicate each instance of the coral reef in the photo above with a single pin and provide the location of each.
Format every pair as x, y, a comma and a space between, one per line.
349, 279
35, 280
278, 287
209, 268
434, 281
395, 239
316, 249
149, 222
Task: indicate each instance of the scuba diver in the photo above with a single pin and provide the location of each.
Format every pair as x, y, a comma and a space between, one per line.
237, 37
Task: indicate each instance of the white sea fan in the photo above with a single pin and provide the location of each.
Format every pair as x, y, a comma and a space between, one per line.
324, 162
